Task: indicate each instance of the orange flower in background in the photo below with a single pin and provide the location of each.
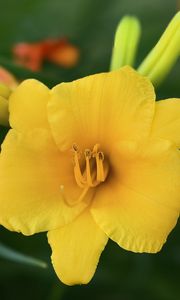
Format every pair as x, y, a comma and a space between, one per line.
58, 51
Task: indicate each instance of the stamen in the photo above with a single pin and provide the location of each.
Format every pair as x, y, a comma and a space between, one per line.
94, 172
95, 150
87, 154
100, 167
89, 178
77, 170
75, 147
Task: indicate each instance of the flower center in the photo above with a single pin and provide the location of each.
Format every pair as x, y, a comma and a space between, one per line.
91, 168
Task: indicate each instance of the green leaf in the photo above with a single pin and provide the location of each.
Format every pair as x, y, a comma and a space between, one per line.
13, 255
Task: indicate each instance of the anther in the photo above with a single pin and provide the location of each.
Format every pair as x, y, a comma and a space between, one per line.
75, 147
88, 153
101, 155
100, 167
95, 150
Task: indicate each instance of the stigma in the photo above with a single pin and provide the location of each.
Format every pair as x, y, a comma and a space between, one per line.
90, 167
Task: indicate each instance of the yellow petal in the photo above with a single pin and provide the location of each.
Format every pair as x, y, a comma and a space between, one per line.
140, 205
32, 171
76, 249
166, 123
27, 106
102, 107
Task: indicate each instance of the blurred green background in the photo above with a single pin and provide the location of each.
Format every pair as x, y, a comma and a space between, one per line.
89, 24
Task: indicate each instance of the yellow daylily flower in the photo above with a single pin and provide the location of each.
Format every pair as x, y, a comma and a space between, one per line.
89, 160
